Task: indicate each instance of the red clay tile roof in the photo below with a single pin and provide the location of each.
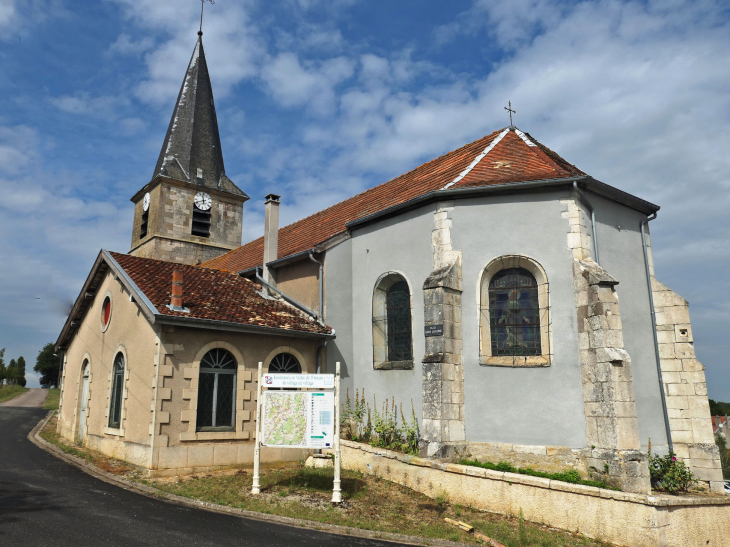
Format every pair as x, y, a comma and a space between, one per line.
511, 160
213, 294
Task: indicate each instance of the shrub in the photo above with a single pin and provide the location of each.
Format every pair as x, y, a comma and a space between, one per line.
669, 474
382, 428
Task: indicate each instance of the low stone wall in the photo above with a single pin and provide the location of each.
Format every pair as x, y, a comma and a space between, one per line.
622, 518
551, 459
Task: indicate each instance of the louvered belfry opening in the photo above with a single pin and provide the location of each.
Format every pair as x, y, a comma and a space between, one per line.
201, 222
145, 222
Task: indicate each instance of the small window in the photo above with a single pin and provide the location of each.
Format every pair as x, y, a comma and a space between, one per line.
106, 312
216, 391
514, 313
285, 362
115, 410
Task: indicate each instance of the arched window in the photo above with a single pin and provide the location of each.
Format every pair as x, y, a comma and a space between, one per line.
392, 323
514, 313
285, 362
514, 317
216, 390
115, 409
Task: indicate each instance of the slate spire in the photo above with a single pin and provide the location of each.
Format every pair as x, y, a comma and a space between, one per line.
192, 148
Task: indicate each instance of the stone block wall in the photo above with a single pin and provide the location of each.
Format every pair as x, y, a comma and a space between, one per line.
612, 429
685, 388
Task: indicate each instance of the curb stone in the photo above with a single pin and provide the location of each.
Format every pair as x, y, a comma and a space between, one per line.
155, 493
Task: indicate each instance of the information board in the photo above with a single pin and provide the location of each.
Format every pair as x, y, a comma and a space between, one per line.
299, 381
301, 419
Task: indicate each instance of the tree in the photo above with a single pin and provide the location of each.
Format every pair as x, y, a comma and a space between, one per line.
3, 370
11, 374
48, 365
20, 368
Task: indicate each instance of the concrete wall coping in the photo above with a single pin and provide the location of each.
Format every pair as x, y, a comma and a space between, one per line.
643, 499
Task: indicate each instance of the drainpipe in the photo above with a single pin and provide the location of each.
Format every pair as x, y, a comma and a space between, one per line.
642, 224
320, 349
285, 297
321, 284
587, 203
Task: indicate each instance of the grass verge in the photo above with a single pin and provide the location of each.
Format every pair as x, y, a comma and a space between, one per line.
10, 392
565, 476
369, 503
52, 400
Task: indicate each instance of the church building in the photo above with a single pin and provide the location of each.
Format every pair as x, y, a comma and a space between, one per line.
508, 295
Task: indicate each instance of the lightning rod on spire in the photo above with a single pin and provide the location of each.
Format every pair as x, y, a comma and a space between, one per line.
202, 6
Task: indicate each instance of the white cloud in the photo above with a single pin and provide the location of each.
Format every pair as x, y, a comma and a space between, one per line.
313, 85
82, 103
125, 45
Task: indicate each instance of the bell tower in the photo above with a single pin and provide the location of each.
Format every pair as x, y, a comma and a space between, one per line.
190, 212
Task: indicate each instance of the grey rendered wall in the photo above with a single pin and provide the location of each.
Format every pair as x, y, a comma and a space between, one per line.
533, 406
621, 254
338, 310
401, 244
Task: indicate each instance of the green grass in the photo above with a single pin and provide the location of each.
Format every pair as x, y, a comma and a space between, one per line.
565, 476
10, 392
52, 400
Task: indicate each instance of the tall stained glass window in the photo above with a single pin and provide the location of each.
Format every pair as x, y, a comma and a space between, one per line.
216, 390
398, 309
115, 409
514, 313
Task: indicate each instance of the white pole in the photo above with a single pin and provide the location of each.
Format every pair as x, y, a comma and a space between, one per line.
256, 488
336, 491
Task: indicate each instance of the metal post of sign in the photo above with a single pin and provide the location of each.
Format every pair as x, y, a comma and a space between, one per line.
336, 491
256, 488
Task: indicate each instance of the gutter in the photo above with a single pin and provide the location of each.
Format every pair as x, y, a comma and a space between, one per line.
439, 195
289, 299
321, 284
237, 327
642, 224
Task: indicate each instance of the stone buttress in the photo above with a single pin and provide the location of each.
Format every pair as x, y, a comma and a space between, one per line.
443, 373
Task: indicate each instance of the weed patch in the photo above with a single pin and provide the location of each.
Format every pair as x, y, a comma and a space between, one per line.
564, 476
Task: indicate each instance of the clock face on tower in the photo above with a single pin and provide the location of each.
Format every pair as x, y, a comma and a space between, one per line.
202, 201
146, 202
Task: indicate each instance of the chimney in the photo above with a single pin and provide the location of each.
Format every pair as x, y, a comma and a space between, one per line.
176, 302
271, 233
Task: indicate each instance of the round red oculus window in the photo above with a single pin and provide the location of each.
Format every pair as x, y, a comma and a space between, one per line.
106, 311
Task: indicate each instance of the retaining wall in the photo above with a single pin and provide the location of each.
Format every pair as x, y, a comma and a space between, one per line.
622, 518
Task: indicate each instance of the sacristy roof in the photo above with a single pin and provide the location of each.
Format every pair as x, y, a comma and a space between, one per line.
214, 298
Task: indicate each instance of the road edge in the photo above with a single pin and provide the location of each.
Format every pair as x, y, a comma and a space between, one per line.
152, 492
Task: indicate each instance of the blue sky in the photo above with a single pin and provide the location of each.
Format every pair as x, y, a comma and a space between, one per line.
318, 100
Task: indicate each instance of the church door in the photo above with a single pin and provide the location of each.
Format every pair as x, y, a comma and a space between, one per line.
83, 403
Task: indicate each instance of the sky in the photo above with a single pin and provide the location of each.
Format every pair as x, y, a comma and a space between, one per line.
320, 99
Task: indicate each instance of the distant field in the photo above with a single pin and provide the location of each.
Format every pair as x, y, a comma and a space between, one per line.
10, 392
52, 400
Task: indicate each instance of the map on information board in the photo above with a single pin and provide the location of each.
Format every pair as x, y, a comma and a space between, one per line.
298, 419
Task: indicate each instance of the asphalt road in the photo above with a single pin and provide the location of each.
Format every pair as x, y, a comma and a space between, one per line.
46, 502
33, 398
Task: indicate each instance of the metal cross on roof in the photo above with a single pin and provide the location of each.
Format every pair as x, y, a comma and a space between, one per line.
510, 112
202, 5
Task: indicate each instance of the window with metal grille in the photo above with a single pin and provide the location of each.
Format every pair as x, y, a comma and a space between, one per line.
398, 312
201, 222
285, 362
216, 391
115, 409
514, 313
